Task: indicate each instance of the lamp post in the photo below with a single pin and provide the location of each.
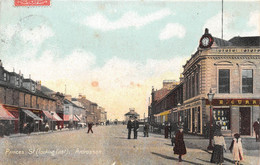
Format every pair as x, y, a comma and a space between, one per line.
210, 98
178, 112
52, 121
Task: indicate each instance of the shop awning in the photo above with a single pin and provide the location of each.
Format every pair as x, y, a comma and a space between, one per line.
165, 113
31, 114
70, 117
5, 115
57, 117
47, 114
53, 117
77, 117
66, 117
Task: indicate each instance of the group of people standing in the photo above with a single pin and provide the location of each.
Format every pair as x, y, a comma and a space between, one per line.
218, 140
220, 146
132, 124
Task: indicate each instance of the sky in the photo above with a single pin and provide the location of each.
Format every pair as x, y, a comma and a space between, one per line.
111, 51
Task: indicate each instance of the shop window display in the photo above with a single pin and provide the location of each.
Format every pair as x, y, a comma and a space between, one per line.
222, 116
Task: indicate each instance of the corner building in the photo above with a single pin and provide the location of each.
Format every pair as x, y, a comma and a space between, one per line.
232, 70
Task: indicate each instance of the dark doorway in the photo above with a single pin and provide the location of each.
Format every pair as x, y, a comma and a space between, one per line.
244, 114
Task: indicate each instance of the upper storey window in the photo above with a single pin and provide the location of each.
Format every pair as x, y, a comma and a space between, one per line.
224, 81
247, 81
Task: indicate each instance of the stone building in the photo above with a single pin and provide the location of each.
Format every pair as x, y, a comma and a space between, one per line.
158, 98
59, 97
166, 109
21, 98
231, 69
131, 114
103, 116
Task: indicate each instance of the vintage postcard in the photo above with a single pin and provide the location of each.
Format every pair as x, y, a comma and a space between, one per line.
129, 82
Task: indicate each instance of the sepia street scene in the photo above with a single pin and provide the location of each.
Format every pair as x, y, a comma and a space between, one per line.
133, 82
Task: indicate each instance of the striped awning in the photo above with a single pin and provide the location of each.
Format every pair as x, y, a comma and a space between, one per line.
52, 115
70, 117
5, 114
31, 114
77, 117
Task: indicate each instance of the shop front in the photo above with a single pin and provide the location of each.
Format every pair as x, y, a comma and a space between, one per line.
52, 118
31, 120
14, 111
7, 122
235, 115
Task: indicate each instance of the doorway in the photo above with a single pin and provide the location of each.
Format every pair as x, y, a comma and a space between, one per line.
245, 120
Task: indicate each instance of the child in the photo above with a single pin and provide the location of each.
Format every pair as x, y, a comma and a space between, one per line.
237, 149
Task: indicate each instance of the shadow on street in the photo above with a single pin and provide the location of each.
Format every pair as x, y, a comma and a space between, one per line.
172, 158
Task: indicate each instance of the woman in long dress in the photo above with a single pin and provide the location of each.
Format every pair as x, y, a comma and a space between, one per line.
237, 149
179, 147
219, 144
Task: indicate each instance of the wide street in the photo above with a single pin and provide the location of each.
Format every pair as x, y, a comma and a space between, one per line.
108, 145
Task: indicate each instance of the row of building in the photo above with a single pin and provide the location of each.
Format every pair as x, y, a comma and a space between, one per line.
230, 69
24, 101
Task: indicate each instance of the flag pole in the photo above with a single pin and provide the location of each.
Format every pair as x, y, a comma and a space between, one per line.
222, 21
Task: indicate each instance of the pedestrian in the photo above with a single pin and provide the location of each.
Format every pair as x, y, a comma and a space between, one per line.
136, 127
2, 128
28, 128
166, 130
146, 130
237, 149
219, 144
179, 148
129, 127
90, 127
47, 127
256, 127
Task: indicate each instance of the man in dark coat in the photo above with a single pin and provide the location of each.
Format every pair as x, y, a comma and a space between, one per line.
256, 127
129, 127
179, 147
166, 131
146, 130
90, 127
136, 127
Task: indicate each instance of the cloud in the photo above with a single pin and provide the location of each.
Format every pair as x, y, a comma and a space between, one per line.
36, 35
49, 67
117, 85
129, 19
172, 30
230, 26
254, 22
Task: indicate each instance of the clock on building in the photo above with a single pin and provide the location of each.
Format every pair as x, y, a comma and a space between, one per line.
206, 40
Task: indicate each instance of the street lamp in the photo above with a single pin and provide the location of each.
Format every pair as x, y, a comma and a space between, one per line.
210, 98
178, 112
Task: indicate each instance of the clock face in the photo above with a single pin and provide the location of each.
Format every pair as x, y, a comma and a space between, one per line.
205, 41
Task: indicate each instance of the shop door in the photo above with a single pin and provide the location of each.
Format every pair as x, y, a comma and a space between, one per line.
245, 120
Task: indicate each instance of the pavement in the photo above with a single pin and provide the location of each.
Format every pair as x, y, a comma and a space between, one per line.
108, 145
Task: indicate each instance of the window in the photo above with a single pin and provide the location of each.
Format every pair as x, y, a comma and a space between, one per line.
5, 77
17, 81
222, 117
224, 81
247, 81
33, 87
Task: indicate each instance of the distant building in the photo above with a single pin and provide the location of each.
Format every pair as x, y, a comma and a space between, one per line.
131, 113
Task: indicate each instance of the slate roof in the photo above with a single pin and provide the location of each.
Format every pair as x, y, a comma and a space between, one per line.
46, 90
221, 42
245, 41
132, 113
